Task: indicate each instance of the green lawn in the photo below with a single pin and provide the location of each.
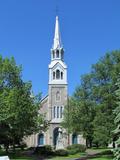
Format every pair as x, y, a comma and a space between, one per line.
71, 157
89, 151
18, 157
23, 156
15, 156
103, 158
78, 155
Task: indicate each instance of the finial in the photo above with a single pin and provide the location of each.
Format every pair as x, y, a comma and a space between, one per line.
57, 10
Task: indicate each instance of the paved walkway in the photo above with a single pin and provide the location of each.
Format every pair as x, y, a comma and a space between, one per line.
90, 154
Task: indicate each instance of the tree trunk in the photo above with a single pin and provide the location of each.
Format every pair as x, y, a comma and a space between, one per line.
90, 142
114, 139
68, 139
87, 143
14, 146
97, 145
6, 148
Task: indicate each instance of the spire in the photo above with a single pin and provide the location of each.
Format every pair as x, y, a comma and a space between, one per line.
57, 40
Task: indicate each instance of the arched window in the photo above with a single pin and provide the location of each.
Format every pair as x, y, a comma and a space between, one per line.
57, 111
61, 75
57, 53
57, 74
74, 139
62, 55
55, 136
61, 111
41, 139
54, 112
53, 75
57, 96
53, 55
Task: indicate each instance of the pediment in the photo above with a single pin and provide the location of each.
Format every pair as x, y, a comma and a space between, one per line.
55, 64
58, 66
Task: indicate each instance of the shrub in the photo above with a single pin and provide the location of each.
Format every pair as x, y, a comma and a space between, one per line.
73, 151
75, 148
31, 148
44, 150
107, 152
61, 152
23, 146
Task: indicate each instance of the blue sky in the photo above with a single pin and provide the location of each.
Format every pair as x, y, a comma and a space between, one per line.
89, 29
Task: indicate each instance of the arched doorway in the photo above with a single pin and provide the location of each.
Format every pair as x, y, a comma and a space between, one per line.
55, 136
74, 139
41, 139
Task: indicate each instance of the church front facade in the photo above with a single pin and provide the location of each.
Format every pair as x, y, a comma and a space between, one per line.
54, 103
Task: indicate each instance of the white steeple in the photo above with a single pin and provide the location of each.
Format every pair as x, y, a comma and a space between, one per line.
57, 67
57, 51
57, 41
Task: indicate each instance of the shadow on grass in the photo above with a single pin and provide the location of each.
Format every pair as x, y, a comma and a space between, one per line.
105, 155
15, 155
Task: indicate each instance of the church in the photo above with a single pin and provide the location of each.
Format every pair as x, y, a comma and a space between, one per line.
56, 100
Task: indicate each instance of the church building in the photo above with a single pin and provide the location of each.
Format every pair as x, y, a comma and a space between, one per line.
54, 103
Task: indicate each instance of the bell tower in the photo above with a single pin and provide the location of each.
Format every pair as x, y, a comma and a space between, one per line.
57, 85
57, 79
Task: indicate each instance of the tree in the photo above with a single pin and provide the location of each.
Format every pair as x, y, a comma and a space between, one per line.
94, 100
81, 111
117, 123
66, 123
105, 74
18, 110
101, 135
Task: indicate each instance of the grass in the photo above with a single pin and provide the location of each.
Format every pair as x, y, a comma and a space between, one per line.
15, 156
81, 155
20, 156
103, 154
23, 156
103, 158
89, 151
97, 150
78, 155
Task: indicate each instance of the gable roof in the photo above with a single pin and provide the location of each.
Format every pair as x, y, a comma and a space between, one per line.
53, 63
44, 99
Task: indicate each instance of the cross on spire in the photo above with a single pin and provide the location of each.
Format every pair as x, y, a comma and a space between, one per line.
57, 10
